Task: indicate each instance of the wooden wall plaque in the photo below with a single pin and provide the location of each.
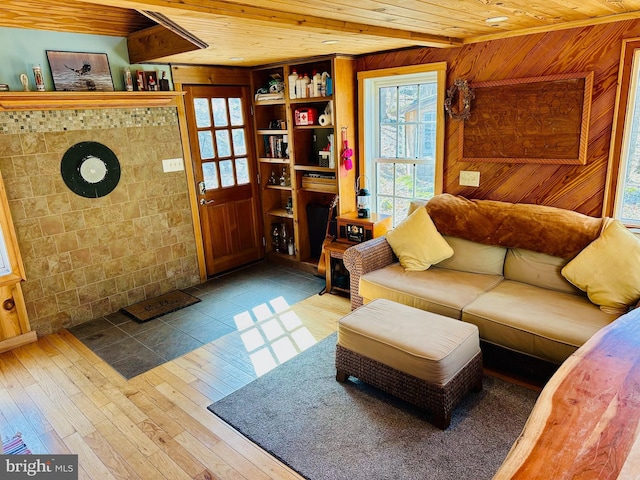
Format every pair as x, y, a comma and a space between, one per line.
529, 120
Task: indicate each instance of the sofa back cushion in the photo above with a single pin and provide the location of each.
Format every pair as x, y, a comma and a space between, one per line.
550, 230
537, 269
474, 257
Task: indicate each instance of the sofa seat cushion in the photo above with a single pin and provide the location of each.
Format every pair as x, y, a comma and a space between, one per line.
437, 290
544, 323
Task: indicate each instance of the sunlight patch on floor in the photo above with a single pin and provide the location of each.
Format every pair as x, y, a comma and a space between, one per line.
272, 333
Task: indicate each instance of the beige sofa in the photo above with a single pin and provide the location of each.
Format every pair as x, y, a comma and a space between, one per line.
504, 275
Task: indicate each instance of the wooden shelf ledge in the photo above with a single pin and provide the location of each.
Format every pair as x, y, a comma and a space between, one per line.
83, 100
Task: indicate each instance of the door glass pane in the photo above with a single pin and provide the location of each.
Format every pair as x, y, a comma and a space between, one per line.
239, 145
235, 111
226, 173
210, 175
203, 117
219, 106
242, 170
222, 142
206, 144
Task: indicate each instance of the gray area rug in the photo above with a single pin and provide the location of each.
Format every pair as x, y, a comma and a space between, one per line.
326, 430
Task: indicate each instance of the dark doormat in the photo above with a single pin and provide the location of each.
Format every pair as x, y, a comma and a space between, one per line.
158, 306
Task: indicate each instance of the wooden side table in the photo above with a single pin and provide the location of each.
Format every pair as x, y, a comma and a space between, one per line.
333, 251
351, 231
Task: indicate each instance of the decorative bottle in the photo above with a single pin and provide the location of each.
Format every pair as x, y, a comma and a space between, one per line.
283, 237
291, 249
293, 77
317, 84
275, 238
304, 86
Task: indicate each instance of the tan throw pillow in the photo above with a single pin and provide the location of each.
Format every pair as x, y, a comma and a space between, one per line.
608, 269
417, 243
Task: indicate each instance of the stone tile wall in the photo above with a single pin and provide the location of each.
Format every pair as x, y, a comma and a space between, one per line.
85, 258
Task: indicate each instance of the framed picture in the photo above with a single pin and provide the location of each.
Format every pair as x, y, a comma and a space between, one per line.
151, 81
146, 81
79, 71
541, 120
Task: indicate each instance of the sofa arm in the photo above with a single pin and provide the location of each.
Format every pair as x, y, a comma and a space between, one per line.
364, 258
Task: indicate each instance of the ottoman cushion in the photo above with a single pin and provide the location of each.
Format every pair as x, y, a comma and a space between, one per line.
426, 345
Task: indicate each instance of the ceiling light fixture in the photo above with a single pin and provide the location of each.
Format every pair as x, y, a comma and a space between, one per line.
496, 19
329, 42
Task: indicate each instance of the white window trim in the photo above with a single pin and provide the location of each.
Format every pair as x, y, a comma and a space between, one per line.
369, 140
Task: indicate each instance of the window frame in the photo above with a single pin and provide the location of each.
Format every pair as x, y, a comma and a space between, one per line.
368, 82
616, 168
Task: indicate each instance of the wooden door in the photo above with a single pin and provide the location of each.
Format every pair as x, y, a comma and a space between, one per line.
224, 162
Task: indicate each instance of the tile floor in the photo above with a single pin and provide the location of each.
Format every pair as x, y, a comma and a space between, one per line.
132, 348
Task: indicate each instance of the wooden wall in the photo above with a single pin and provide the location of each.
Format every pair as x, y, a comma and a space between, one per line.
596, 48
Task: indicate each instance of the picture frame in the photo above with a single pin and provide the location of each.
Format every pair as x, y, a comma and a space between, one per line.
542, 120
146, 81
80, 71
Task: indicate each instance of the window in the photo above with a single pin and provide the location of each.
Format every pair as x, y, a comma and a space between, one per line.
221, 142
622, 197
403, 142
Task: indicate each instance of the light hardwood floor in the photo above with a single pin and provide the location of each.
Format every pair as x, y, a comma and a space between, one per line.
65, 399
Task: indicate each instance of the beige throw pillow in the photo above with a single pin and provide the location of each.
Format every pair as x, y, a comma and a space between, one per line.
417, 243
608, 269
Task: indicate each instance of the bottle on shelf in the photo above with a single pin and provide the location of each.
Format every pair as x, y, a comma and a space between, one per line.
293, 77
291, 249
316, 83
283, 237
275, 237
285, 179
302, 86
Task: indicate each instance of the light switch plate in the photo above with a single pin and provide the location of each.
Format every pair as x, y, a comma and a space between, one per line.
172, 165
469, 178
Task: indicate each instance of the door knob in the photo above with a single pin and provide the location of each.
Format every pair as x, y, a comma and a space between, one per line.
206, 202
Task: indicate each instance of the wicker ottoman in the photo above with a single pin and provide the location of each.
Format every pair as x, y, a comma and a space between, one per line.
426, 359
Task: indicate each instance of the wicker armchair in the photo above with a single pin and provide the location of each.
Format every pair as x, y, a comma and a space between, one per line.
364, 258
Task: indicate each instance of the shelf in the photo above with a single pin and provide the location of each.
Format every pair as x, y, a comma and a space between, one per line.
82, 100
260, 103
311, 127
271, 132
280, 212
273, 160
311, 99
277, 187
313, 168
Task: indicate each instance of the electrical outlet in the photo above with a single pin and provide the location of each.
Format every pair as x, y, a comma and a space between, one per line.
469, 178
172, 165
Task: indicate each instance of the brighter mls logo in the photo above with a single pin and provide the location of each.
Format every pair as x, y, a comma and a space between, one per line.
49, 467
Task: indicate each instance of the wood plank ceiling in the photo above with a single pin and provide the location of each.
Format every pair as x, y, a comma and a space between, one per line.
254, 32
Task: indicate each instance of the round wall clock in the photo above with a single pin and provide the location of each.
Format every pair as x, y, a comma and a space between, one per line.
90, 169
